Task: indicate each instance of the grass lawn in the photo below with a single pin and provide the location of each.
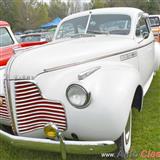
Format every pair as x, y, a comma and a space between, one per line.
145, 133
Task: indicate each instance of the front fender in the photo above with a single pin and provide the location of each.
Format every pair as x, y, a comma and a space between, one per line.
112, 90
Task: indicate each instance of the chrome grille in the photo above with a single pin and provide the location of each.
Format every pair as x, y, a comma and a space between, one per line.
33, 111
4, 114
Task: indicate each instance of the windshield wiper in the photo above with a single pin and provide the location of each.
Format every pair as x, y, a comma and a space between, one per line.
98, 32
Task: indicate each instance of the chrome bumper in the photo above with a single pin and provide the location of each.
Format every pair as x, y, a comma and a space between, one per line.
62, 146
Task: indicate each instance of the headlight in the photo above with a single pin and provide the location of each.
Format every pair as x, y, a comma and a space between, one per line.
77, 96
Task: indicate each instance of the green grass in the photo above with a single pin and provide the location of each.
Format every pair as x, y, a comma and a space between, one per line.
146, 133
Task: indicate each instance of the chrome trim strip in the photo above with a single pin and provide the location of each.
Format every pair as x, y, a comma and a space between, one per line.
21, 110
91, 60
36, 118
30, 104
8, 92
87, 73
26, 92
33, 98
9, 105
26, 96
21, 89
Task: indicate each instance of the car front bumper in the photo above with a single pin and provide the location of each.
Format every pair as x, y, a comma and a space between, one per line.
61, 146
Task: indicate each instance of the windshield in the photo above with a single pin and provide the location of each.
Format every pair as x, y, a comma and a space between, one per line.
98, 24
110, 23
72, 27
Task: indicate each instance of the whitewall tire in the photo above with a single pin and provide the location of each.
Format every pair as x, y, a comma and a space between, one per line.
124, 142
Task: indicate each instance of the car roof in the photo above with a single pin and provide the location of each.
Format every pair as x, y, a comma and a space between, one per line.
154, 16
4, 23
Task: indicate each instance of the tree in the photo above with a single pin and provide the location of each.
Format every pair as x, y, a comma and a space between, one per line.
31, 14
99, 3
57, 8
24, 14
8, 11
149, 6
74, 6
153, 6
87, 6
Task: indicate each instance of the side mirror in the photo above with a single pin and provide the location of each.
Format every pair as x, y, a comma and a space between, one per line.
145, 35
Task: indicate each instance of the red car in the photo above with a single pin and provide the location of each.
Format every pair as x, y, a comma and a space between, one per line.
8, 43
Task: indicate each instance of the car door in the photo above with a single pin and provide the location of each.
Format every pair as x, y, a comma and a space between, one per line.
145, 41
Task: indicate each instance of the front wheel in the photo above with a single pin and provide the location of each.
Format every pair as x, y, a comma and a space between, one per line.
124, 142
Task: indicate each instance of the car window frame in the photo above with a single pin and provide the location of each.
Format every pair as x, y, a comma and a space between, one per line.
13, 42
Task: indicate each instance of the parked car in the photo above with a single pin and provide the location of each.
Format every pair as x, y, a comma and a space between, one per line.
155, 24
80, 98
37, 37
7, 43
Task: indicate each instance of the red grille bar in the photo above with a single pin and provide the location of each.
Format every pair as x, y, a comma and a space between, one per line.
4, 114
33, 111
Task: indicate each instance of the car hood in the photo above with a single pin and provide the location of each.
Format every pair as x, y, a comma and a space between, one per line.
34, 61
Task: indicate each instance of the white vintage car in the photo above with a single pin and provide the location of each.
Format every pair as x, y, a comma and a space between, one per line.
76, 94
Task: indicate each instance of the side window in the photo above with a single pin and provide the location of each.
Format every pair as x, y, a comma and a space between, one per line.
142, 28
5, 38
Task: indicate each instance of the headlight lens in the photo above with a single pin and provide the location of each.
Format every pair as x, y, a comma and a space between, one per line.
77, 96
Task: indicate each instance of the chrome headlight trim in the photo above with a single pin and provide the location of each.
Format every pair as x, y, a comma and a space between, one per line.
87, 94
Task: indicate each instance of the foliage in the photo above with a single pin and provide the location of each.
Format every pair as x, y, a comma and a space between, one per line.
8, 11
149, 6
23, 14
57, 8
30, 14
99, 3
